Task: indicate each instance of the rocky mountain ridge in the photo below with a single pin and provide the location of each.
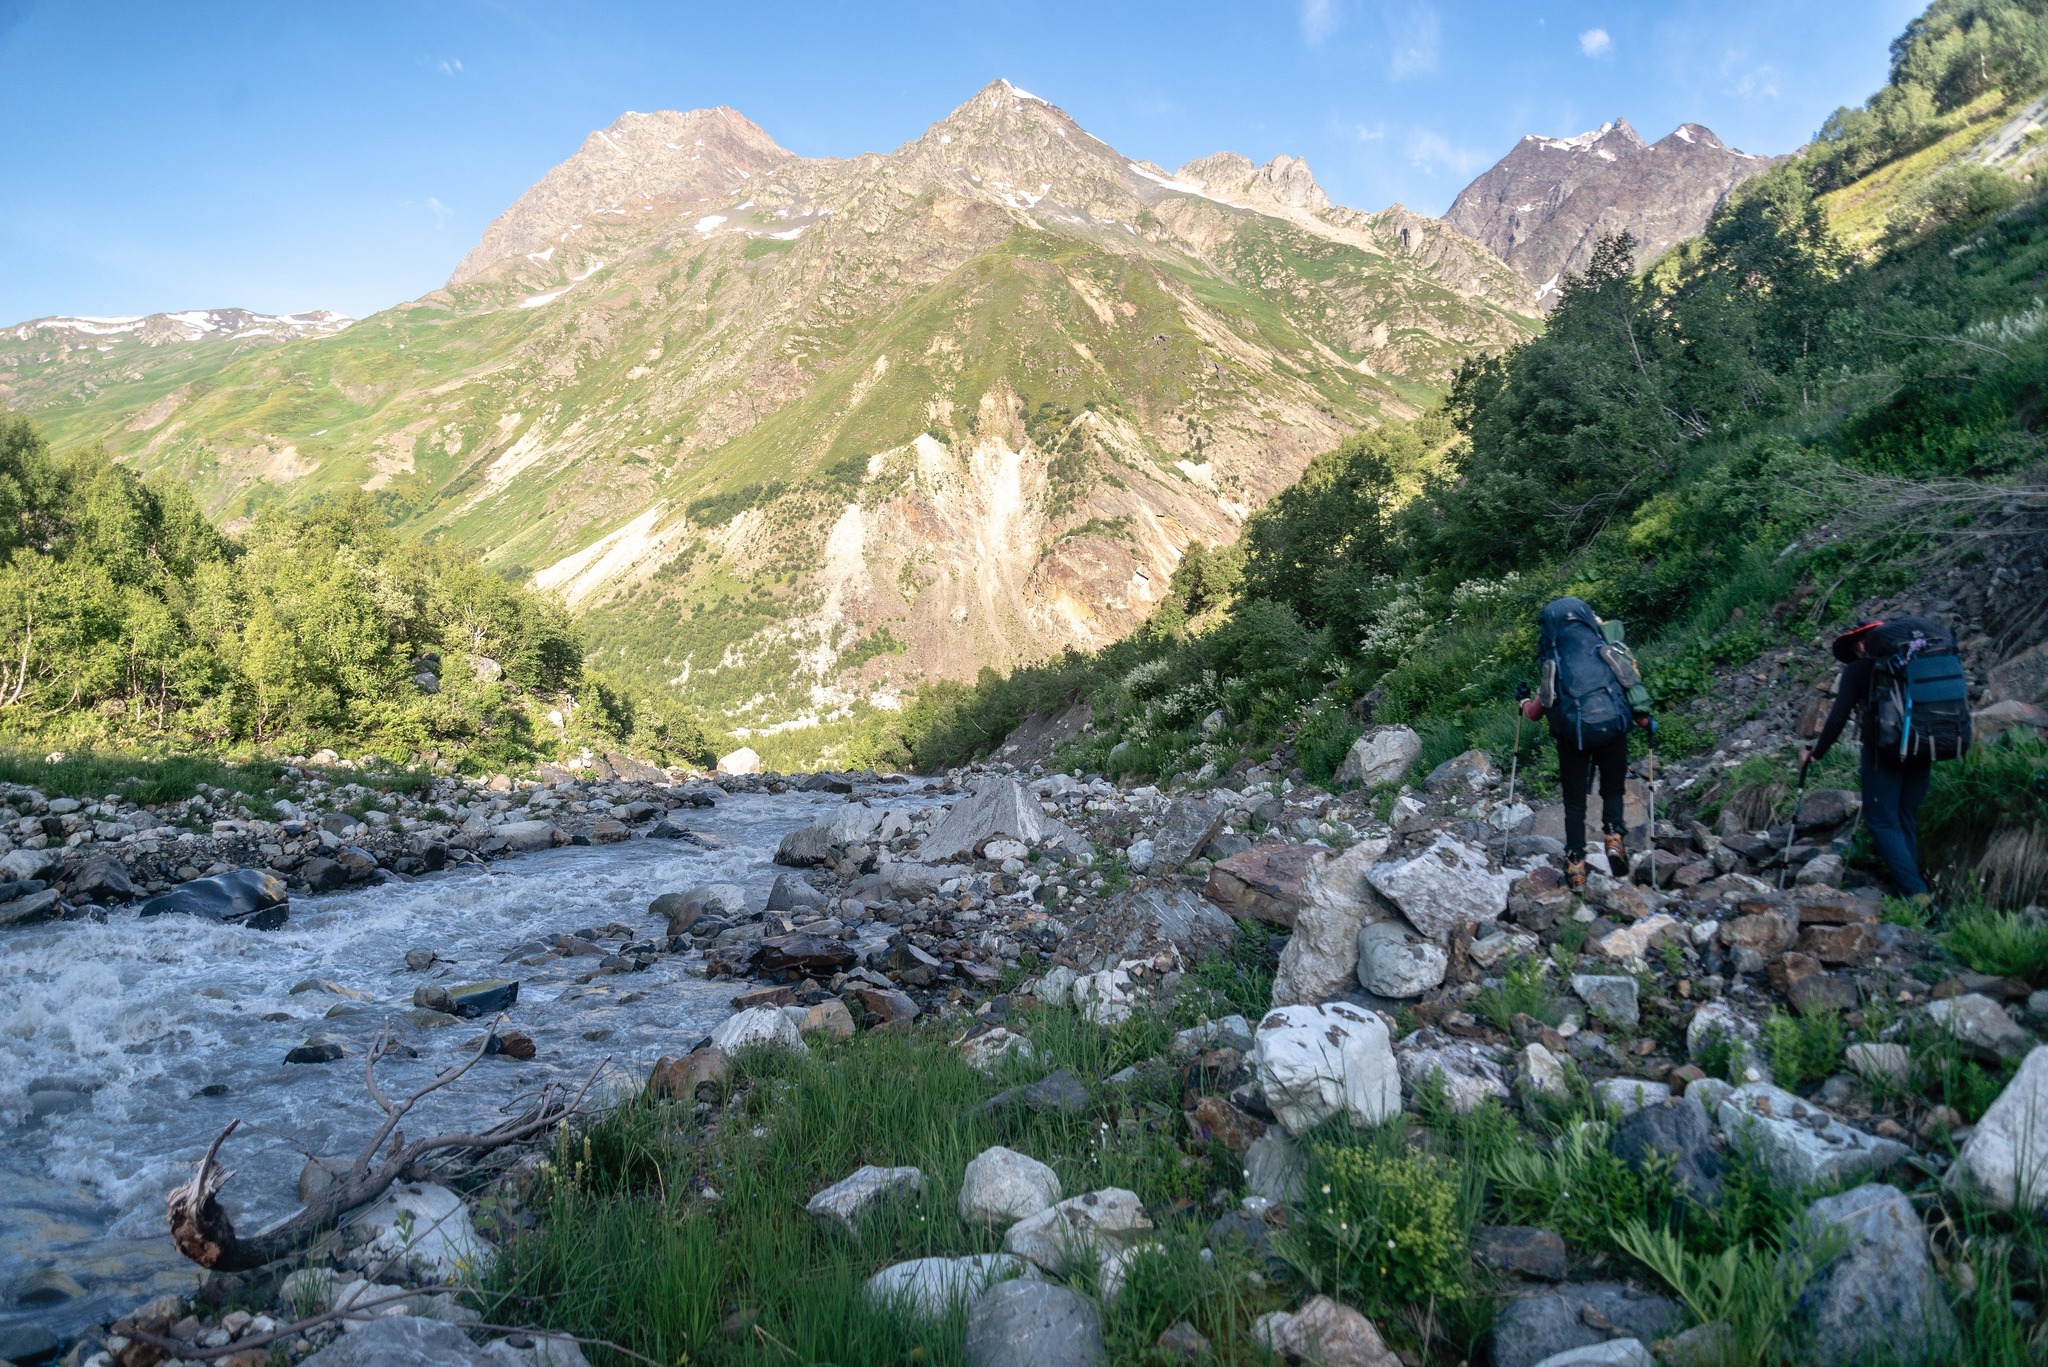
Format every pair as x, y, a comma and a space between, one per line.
796, 433
1544, 206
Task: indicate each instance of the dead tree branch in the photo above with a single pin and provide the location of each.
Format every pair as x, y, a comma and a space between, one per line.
204, 1233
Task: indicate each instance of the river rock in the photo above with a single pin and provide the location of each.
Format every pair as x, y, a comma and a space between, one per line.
1798, 1142
25, 865
527, 836
813, 956
1610, 996
1002, 1186
1442, 886
1383, 754
824, 841
1323, 1331
791, 892
1676, 1130
1033, 1324
849, 1200
427, 1226
102, 880
1879, 1297
255, 898
930, 1287
1533, 1328
760, 1026
829, 1019
467, 1000
33, 907
318, 1049
685, 1078
885, 1008
682, 909
2006, 1157
997, 807
1393, 963
1315, 1062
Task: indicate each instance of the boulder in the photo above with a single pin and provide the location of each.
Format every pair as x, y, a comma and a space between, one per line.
255, 898
102, 880
1061, 1092
1676, 1130
1826, 808
1274, 1168
1185, 831
1717, 1021
1799, 1143
790, 892
813, 956
1033, 1324
986, 1051
885, 1008
998, 807
1105, 998
1095, 1224
686, 1078
828, 1018
824, 841
1383, 754
427, 1226
908, 882
1623, 1352
1471, 771
386, 1340
2012, 714
682, 909
1002, 1186
1316, 1062
1531, 1329
1983, 1025
849, 1200
760, 1026
1611, 997
1320, 958
1269, 883
740, 761
2005, 1159
1539, 1073
1324, 1331
1879, 1297
1522, 1250
22, 866
1141, 922
1629, 1094
930, 1287
526, 836
1471, 1073
1393, 963
2023, 678
1630, 943
1444, 885
35, 906
467, 1000
1886, 1064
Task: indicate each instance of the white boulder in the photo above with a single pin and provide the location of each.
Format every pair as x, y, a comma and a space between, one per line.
1315, 1062
1002, 1186
758, 1025
1443, 885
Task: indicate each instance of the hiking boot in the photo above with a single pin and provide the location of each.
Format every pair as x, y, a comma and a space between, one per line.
1575, 875
1617, 856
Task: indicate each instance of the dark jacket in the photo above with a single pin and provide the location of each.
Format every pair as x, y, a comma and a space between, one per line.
1852, 698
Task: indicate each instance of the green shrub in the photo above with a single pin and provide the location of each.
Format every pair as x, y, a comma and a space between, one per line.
1577, 1186
1381, 1227
1802, 1050
1523, 991
2000, 942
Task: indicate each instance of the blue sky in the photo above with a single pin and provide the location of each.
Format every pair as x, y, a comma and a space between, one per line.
315, 155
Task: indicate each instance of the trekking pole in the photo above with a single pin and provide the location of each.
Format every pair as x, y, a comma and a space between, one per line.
1515, 760
1792, 827
1650, 832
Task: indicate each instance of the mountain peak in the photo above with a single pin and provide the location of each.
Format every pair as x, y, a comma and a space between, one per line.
665, 157
1285, 183
1544, 206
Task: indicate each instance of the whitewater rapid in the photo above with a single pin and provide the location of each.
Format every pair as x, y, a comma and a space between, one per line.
126, 1046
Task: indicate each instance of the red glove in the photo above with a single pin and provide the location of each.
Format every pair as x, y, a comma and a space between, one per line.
1532, 709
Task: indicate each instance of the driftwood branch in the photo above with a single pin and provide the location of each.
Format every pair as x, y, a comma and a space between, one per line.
205, 1234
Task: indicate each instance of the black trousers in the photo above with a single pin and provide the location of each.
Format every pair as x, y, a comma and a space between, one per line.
1575, 769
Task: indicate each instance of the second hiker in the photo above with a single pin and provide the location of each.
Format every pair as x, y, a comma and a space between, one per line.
1592, 693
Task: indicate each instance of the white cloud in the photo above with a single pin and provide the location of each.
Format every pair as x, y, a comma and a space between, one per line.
451, 66
439, 210
1416, 35
1318, 20
1758, 83
1432, 152
1594, 42
1359, 132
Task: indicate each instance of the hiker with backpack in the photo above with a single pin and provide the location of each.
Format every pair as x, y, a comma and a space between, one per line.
1904, 683
1592, 692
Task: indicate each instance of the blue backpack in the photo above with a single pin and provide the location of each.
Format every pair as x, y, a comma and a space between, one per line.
1920, 695
1584, 697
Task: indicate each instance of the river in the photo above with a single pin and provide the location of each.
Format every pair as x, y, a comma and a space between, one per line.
126, 1046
